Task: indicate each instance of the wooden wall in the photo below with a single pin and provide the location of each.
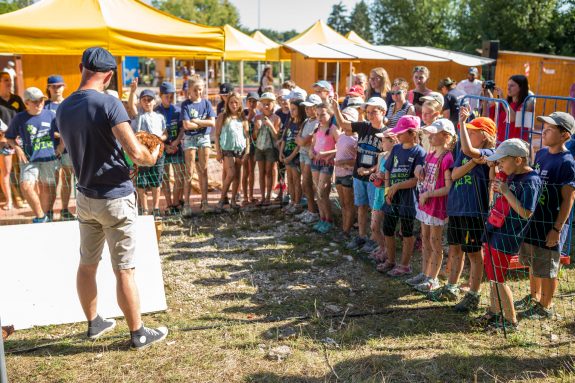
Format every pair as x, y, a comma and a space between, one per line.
37, 68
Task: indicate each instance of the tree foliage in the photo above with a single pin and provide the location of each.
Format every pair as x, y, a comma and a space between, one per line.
207, 12
359, 21
13, 5
338, 18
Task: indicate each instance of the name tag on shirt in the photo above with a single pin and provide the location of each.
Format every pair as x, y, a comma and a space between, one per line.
367, 159
45, 124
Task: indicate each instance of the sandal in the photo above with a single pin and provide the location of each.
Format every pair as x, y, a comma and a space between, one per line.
385, 267
8, 207
399, 271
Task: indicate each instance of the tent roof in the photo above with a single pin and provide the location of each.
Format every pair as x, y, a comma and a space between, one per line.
352, 36
240, 46
257, 35
124, 27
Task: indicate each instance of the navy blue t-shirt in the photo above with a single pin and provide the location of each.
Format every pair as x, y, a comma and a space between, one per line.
85, 120
201, 110
367, 147
451, 103
507, 239
172, 115
37, 134
401, 164
555, 171
469, 195
50, 105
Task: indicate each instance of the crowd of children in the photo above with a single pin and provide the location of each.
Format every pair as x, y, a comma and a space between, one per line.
426, 158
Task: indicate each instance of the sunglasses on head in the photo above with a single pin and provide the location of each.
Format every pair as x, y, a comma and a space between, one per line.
396, 92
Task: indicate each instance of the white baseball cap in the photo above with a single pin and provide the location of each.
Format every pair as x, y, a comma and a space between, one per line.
513, 147
441, 125
433, 96
312, 100
376, 101
33, 94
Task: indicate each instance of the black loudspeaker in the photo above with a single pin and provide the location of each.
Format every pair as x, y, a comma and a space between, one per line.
491, 50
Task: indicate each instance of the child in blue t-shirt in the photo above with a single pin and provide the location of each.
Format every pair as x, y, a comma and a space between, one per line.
400, 185
378, 179
467, 205
516, 190
549, 226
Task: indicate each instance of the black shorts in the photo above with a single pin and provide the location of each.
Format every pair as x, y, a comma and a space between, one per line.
150, 176
390, 222
346, 181
233, 153
465, 231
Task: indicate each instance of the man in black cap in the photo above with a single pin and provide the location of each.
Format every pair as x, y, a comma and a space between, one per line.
93, 125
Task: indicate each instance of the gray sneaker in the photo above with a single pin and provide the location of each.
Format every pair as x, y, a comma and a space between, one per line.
537, 311
444, 294
369, 246
355, 243
100, 326
428, 285
145, 337
416, 280
469, 303
525, 303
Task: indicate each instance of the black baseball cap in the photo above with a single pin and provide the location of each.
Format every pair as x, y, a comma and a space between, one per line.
226, 88
253, 96
98, 59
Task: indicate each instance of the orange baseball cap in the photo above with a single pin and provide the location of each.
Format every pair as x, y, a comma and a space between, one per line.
483, 123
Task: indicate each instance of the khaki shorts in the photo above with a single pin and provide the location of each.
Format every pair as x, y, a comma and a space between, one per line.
544, 263
44, 172
107, 220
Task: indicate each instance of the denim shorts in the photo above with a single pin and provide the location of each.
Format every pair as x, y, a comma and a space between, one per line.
44, 172
322, 167
196, 142
363, 193
66, 161
304, 157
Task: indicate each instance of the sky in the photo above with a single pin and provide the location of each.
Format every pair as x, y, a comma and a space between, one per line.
283, 15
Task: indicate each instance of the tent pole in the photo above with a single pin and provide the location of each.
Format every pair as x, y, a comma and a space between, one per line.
282, 77
174, 76
207, 76
351, 79
223, 69
325, 71
3, 373
242, 77
259, 70
337, 77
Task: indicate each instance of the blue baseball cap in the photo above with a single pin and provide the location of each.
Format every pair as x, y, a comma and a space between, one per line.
55, 79
98, 59
167, 88
324, 85
226, 88
147, 93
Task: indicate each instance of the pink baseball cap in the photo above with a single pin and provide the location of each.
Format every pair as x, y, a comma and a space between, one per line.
404, 124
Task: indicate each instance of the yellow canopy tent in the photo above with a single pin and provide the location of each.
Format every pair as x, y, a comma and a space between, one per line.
269, 43
124, 27
352, 36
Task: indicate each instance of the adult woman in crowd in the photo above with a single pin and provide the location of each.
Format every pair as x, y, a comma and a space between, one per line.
267, 79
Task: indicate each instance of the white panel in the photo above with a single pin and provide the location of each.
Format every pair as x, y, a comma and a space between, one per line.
38, 266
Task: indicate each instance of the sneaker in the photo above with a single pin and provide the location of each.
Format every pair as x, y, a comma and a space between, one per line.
537, 311
187, 211
385, 267
486, 319
444, 294
44, 219
205, 207
145, 337
399, 271
356, 243
327, 226
157, 213
66, 215
525, 303
310, 218
369, 246
317, 226
414, 281
497, 327
428, 285
50, 215
100, 326
302, 215
470, 302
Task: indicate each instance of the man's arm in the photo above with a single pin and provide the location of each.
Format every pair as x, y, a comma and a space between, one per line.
137, 152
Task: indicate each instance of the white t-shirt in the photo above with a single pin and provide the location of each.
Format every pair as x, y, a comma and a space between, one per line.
151, 122
308, 129
471, 88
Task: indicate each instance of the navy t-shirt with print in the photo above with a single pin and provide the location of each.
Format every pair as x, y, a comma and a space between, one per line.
37, 134
367, 147
201, 110
172, 115
507, 239
85, 120
555, 171
401, 164
469, 195
290, 133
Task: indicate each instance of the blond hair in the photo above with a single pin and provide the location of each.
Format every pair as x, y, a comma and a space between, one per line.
433, 105
386, 87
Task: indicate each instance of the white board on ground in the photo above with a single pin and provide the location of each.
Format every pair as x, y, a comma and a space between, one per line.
38, 266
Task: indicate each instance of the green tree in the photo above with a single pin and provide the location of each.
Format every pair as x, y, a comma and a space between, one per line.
563, 37
414, 22
522, 25
13, 5
207, 12
338, 18
359, 21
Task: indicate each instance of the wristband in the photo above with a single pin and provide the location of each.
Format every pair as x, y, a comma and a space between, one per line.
555, 229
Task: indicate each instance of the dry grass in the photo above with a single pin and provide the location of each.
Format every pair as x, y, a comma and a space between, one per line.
242, 284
